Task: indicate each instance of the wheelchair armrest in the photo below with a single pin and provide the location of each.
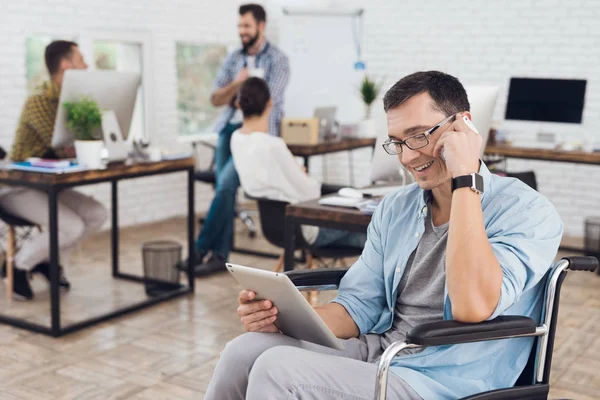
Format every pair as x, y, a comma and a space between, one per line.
582, 263
454, 332
317, 277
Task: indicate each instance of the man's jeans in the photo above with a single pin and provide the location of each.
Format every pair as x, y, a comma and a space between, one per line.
217, 231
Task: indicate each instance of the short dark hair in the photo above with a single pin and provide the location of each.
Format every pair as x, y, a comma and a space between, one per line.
253, 97
447, 92
55, 52
258, 12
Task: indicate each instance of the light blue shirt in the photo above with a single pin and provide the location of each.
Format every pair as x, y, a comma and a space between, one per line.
524, 230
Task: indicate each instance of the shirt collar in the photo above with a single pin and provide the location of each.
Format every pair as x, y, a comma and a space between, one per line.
50, 90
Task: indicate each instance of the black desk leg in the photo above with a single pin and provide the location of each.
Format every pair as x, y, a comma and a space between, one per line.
306, 163
54, 261
289, 239
190, 227
114, 229
351, 167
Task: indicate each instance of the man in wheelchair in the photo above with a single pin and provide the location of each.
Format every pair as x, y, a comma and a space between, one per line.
459, 243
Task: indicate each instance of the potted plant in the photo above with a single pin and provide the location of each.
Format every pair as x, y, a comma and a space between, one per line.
84, 120
369, 91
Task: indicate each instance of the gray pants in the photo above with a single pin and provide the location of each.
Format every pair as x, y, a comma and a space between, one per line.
78, 217
269, 366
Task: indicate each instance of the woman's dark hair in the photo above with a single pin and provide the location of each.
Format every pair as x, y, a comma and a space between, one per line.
253, 97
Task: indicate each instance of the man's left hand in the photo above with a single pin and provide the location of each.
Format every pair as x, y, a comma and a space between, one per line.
461, 147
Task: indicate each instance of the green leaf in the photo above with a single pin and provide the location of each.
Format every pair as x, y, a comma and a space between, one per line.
83, 117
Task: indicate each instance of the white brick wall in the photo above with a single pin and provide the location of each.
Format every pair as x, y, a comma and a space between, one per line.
488, 42
483, 42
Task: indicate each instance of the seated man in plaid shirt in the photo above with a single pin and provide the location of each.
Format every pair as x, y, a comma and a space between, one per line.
78, 214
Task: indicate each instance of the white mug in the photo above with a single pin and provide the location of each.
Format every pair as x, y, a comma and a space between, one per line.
257, 72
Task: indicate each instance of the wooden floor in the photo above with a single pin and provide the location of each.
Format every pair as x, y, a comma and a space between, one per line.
169, 351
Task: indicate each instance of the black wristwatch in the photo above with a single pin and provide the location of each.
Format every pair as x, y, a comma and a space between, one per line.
473, 181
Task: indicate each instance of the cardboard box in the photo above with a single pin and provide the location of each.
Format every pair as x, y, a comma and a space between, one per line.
300, 130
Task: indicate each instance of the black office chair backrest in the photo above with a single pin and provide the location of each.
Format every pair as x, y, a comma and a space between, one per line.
272, 222
528, 177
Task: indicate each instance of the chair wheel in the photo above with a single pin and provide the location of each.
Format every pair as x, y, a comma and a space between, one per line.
252, 234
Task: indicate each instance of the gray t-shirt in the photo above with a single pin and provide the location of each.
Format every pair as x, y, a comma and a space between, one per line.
420, 291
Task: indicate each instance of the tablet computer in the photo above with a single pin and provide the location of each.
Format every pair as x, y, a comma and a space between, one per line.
296, 317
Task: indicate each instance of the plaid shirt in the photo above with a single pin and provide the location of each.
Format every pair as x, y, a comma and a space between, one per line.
36, 126
277, 71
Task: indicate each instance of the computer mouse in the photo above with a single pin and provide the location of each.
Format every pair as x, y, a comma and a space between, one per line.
350, 192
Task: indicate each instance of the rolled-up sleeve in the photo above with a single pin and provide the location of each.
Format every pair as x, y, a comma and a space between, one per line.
525, 248
362, 290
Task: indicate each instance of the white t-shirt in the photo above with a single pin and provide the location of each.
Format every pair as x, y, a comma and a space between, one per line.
268, 169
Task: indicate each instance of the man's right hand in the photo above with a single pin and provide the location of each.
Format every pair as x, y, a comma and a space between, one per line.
242, 75
256, 315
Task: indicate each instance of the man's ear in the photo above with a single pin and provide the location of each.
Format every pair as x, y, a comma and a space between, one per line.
64, 64
467, 114
236, 103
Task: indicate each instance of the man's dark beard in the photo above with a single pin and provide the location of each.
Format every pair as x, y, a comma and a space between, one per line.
251, 43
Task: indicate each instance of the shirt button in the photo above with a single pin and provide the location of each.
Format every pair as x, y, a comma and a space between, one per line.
416, 234
398, 270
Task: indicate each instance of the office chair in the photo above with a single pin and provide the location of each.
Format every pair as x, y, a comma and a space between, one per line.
532, 384
208, 176
12, 239
272, 221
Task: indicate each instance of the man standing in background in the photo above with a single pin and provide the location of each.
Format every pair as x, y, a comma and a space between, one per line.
257, 57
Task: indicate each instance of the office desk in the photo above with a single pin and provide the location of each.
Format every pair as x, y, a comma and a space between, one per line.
578, 157
53, 184
308, 150
312, 213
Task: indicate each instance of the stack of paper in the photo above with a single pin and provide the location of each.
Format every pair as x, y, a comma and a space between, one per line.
46, 166
367, 206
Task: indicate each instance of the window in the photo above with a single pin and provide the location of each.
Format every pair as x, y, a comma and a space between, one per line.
197, 68
123, 57
35, 64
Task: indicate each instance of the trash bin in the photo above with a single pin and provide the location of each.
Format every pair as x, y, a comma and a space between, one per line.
160, 259
592, 237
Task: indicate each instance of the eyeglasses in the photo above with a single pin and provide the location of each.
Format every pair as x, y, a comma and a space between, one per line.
418, 141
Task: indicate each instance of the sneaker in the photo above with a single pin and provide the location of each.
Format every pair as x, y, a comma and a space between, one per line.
21, 288
44, 269
215, 263
183, 265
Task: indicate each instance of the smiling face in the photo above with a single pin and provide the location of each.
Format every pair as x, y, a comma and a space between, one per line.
412, 117
250, 30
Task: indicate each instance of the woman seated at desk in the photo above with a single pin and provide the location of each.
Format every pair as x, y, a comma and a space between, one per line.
267, 168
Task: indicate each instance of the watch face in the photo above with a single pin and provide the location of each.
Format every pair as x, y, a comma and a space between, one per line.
478, 182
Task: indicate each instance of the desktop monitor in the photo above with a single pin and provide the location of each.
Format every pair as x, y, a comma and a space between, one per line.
385, 167
548, 100
112, 90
